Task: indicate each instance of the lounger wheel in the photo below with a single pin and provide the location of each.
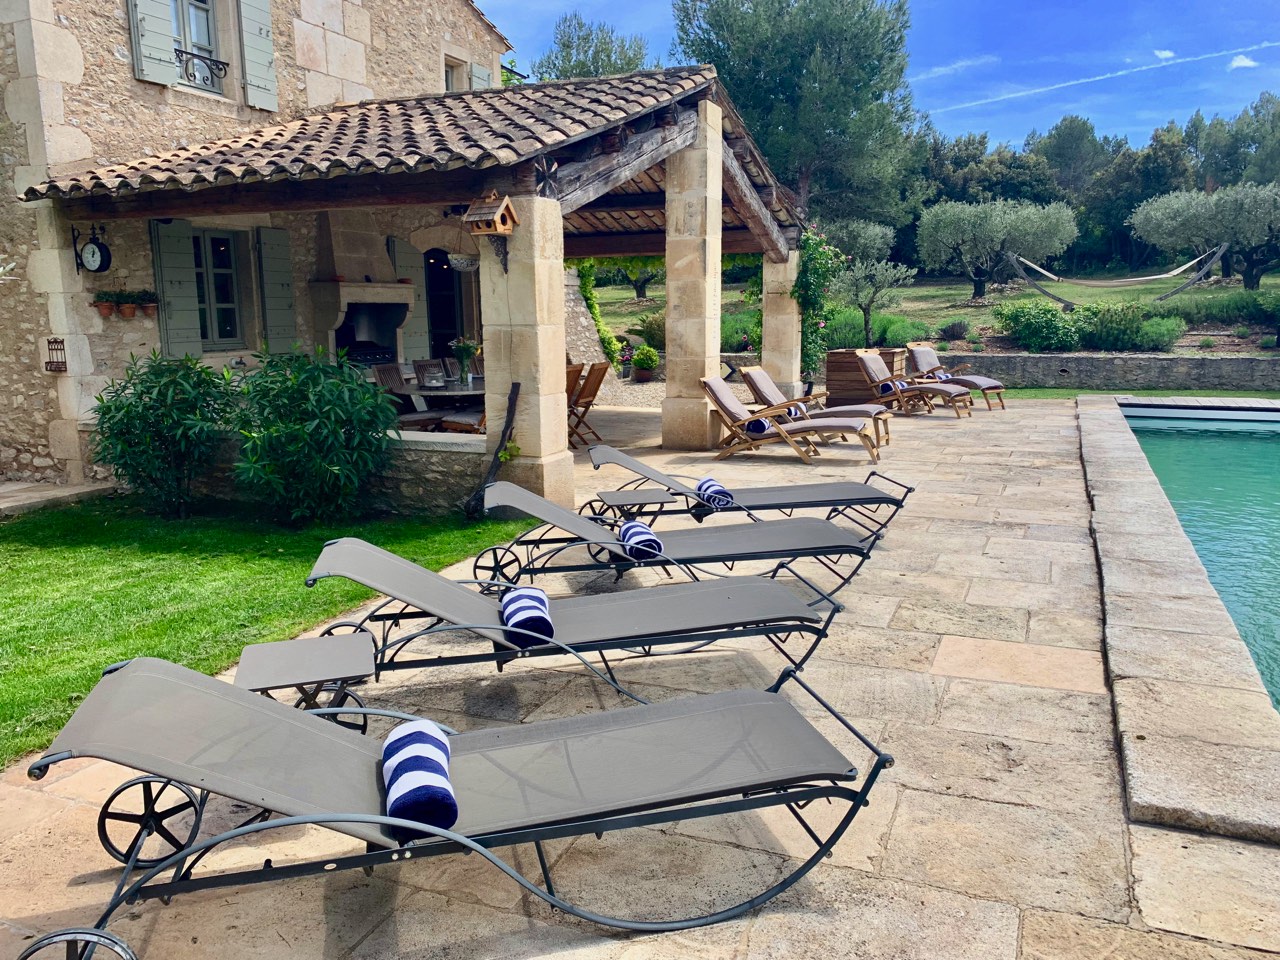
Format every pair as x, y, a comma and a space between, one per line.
340, 695
76, 944
598, 508
497, 563
148, 807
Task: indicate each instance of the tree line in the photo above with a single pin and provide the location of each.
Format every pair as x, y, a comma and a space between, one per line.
822, 86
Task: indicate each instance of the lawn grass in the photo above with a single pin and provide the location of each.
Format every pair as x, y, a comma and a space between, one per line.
1062, 393
92, 584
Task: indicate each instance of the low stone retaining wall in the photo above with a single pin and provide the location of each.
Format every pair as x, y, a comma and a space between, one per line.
1125, 371
1199, 737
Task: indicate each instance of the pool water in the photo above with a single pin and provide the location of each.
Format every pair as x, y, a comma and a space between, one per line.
1223, 479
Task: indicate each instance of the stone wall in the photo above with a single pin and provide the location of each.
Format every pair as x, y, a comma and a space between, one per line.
1129, 371
581, 339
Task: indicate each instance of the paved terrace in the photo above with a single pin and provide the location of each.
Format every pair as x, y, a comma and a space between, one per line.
971, 648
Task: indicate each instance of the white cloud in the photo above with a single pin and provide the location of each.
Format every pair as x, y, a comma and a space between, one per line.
952, 68
1241, 61
1164, 54
1115, 74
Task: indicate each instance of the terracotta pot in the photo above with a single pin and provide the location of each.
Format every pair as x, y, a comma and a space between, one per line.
127, 310
150, 309
104, 309
641, 376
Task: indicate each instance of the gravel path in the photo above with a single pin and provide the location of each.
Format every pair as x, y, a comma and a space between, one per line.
624, 393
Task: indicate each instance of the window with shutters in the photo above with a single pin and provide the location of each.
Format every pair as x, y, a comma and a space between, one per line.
218, 289
195, 35
455, 76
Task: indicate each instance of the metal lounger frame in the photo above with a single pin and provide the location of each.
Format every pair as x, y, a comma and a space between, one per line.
864, 513
547, 547
141, 883
385, 620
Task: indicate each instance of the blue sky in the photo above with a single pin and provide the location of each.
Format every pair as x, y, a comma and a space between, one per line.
964, 52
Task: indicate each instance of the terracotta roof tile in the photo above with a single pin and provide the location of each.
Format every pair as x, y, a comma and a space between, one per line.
483, 128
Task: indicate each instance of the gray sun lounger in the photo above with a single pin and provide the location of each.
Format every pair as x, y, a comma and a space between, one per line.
685, 615
193, 737
866, 505
779, 542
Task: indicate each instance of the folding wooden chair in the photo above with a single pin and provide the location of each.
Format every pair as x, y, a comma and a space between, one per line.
581, 405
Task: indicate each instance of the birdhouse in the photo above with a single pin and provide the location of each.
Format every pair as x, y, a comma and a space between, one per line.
491, 215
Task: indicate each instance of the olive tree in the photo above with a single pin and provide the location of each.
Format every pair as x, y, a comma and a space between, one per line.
976, 239
1246, 217
870, 285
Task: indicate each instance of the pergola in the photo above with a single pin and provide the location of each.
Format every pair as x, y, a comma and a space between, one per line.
650, 163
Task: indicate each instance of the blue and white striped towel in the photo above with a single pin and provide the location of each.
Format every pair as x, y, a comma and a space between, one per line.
888, 388
757, 425
528, 609
714, 494
939, 375
415, 769
796, 411
639, 541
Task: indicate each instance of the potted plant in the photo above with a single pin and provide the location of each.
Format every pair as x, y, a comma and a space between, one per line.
644, 361
105, 301
148, 301
127, 303
465, 350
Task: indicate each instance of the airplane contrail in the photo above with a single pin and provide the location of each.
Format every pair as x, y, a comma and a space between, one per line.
1107, 76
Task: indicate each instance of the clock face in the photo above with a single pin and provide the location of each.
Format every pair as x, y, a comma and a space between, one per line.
95, 256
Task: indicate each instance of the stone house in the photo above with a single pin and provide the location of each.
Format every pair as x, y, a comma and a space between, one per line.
90, 83
306, 175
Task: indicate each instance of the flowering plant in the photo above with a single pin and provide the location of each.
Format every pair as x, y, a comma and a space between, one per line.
626, 351
464, 350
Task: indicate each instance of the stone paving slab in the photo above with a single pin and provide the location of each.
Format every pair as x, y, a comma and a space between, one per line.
18, 498
1063, 936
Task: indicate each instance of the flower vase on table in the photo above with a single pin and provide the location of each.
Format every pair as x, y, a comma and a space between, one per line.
464, 350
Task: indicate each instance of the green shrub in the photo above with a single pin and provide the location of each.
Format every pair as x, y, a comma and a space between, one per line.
1226, 309
1243, 332
587, 286
977, 348
314, 434
1110, 326
735, 326
652, 329
1268, 343
844, 329
902, 332
942, 346
160, 426
1038, 325
955, 330
646, 358
1159, 334
1207, 343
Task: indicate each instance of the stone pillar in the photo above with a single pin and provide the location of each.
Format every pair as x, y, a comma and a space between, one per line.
780, 352
694, 209
522, 312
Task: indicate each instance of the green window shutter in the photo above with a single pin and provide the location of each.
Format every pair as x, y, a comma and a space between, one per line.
259, 55
481, 78
153, 41
175, 266
275, 271
414, 334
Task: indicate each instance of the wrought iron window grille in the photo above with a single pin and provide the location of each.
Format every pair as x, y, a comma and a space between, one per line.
57, 362
214, 71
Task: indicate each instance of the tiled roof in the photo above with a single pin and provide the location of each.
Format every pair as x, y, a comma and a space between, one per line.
481, 128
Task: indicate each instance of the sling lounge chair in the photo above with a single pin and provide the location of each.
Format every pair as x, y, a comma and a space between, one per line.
747, 431
862, 503
685, 615
912, 395
193, 737
812, 407
559, 545
924, 358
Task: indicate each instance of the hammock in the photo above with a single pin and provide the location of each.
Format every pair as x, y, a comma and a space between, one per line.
1123, 282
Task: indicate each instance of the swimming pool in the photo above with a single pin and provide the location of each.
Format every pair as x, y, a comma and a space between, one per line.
1223, 479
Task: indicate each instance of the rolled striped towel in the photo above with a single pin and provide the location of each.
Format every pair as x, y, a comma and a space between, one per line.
639, 541
714, 494
941, 376
888, 388
415, 769
757, 425
528, 609
796, 411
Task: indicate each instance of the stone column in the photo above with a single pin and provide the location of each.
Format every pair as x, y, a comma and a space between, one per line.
522, 312
780, 352
694, 205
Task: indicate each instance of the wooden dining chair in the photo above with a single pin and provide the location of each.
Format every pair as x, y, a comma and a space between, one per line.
572, 384
579, 428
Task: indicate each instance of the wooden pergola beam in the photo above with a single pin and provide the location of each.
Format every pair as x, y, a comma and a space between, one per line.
626, 202
746, 201
650, 243
580, 183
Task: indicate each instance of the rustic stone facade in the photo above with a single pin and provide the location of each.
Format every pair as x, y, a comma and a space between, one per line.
72, 101
581, 339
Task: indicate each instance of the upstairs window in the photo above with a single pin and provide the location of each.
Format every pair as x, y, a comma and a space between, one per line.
195, 36
455, 76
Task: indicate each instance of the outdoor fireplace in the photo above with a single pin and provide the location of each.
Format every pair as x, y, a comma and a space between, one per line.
368, 332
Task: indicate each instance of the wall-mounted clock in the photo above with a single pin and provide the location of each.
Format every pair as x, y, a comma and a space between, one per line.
94, 255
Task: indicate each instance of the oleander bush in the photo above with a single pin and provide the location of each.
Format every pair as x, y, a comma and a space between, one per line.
159, 427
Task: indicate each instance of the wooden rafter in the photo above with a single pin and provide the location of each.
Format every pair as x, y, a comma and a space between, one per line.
651, 243
584, 181
746, 201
